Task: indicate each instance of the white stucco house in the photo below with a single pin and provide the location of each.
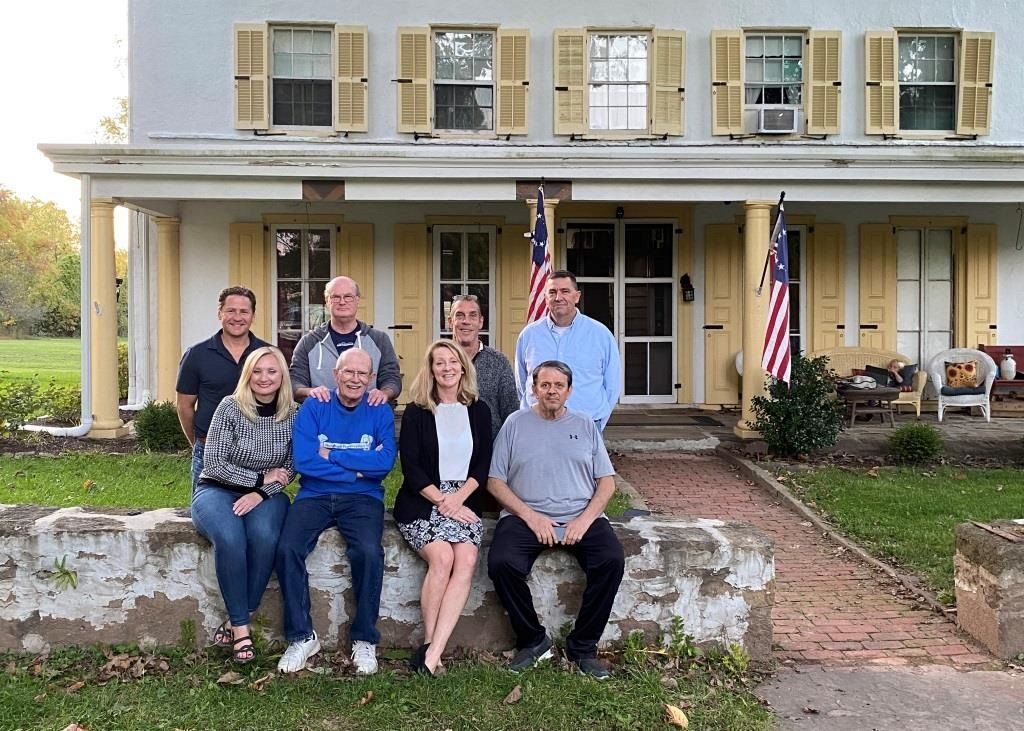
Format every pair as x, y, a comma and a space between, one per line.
276, 144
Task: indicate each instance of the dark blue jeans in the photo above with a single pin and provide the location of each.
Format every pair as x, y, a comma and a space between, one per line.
198, 450
243, 547
360, 519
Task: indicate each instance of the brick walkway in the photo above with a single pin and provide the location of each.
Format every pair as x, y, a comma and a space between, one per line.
829, 607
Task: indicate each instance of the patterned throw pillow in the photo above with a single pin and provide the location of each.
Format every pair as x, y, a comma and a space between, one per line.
962, 375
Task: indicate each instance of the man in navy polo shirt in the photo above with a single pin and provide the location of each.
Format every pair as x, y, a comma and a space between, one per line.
209, 370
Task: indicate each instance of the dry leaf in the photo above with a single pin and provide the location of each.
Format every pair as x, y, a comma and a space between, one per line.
670, 683
676, 717
808, 709
230, 678
40, 698
88, 485
514, 696
11, 668
365, 699
259, 683
873, 472
76, 686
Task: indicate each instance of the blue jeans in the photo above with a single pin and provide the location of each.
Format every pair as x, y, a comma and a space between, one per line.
360, 519
198, 450
243, 547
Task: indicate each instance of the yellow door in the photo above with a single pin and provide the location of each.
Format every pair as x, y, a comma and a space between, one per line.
877, 287
980, 289
513, 286
412, 329
826, 292
723, 305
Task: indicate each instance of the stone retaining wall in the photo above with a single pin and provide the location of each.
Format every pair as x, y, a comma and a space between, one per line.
143, 576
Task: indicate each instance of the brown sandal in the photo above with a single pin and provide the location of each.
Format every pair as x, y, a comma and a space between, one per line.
244, 653
222, 636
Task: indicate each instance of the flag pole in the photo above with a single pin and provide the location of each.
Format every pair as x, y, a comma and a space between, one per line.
768, 254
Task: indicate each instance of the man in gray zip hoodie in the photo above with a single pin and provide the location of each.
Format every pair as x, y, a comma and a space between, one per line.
313, 359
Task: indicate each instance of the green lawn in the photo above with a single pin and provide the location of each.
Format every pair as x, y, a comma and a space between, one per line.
41, 359
907, 515
72, 686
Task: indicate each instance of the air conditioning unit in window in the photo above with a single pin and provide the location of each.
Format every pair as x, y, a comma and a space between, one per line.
777, 120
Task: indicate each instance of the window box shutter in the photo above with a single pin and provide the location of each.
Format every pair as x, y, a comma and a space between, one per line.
414, 97
823, 86
881, 91
877, 277
353, 255
251, 107
351, 61
974, 95
570, 81
413, 291
668, 82
826, 286
727, 82
513, 76
981, 274
249, 265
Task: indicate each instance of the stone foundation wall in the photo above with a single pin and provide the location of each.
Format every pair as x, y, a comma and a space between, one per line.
142, 576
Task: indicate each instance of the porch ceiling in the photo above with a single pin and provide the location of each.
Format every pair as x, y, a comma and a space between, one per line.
937, 172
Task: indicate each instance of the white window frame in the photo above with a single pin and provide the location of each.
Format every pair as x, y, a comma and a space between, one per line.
747, 84
307, 296
954, 83
434, 81
272, 75
491, 329
592, 37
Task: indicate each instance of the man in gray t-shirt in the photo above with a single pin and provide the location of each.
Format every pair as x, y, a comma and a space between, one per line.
551, 474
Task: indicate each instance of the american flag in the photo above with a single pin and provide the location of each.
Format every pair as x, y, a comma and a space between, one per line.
777, 355
540, 267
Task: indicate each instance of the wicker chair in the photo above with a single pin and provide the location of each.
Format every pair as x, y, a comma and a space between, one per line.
987, 372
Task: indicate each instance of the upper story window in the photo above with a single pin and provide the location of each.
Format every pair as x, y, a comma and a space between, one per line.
467, 81
775, 82
614, 84
935, 83
463, 80
618, 79
302, 77
927, 76
299, 79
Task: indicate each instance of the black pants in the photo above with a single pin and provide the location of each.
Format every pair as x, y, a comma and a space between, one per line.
510, 559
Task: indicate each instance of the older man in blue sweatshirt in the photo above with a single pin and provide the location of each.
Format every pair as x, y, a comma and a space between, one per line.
569, 336
343, 448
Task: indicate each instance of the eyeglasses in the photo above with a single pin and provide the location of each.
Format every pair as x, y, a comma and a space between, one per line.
346, 298
351, 373
465, 298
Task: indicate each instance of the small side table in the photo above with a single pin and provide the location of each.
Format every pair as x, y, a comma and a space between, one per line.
859, 399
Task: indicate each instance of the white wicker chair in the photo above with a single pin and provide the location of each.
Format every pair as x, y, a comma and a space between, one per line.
987, 372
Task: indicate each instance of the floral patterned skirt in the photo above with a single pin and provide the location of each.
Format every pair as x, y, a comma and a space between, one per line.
438, 527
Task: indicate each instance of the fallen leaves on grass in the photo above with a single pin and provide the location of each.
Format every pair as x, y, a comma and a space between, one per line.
873, 472
260, 683
76, 686
365, 699
675, 716
514, 696
88, 485
230, 678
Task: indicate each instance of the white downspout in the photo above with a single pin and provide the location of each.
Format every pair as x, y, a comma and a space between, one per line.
85, 256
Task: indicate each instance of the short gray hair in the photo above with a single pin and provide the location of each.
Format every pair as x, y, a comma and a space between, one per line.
557, 365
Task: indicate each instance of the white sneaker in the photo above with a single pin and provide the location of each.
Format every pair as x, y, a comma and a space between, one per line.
364, 655
294, 658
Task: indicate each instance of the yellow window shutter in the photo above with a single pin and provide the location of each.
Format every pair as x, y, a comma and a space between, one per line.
414, 97
570, 81
353, 257
877, 287
974, 95
413, 311
723, 311
351, 57
727, 82
668, 82
823, 85
980, 287
251, 73
513, 81
249, 266
881, 90
826, 274
513, 285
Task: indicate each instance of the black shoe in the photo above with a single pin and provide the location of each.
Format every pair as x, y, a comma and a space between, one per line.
530, 656
418, 661
593, 667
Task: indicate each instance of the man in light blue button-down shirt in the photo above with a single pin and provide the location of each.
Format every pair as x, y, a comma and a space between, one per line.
586, 345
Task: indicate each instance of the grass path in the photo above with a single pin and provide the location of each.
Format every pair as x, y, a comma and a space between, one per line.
42, 359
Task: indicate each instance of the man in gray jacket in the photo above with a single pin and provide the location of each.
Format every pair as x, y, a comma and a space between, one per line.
313, 359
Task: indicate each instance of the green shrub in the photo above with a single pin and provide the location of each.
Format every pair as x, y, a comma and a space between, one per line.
157, 428
19, 402
62, 403
122, 370
798, 418
915, 443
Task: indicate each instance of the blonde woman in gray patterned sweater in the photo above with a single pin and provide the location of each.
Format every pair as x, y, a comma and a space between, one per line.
239, 503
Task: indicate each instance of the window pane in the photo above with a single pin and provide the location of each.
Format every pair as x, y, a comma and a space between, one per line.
483, 296
927, 107
316, 312
659, 357
599, 70
638, 46
289, 306
321, 66
617, 95
618, 118
755, 46
597, 301
637, 95
479, 251
795, 249
321, 42
618, 47
648, 250
590, 250
599, 47
282, 41
451, 255
282, 64
792, 70
289, 253
599, 95
320, 253
773, 46
773, 70
448, 291
618, 70
648, 309
944, 47
636, 118
635, 371
793, 95
794, 309
755, 70
599, 118
638, 70
792, 46
302, 41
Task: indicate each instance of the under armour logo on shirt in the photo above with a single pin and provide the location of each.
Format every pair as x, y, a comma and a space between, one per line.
574, 436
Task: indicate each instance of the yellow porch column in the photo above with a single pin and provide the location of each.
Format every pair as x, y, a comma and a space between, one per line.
103, 313
168, 297
755, 309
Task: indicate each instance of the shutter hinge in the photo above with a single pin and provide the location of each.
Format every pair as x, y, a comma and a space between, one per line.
872, 83
266, 228
837, 83
561, 88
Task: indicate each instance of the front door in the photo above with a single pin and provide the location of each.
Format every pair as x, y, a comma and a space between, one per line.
626, 274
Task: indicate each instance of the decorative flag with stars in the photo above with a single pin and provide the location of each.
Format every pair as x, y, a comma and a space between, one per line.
540, 267
777, 354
